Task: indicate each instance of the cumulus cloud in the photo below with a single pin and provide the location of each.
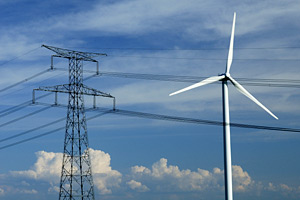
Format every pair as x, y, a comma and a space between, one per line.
140, 169
271, 187
287, 191
48, 168
170, 177
138, 186
241, 179
105, 178
285, 187
161, 177
281, 187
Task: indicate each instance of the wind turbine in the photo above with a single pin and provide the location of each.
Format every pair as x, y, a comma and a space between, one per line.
226, 125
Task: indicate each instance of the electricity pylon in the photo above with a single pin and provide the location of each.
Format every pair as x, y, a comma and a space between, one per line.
76, 176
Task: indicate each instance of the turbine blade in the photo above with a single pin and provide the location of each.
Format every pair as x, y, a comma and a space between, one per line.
230, 52
201, 83
247, 94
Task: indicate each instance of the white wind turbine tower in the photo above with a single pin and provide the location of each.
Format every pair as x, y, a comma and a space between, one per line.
226, 125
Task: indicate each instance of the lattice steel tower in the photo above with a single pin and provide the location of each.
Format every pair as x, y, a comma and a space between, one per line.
76, 176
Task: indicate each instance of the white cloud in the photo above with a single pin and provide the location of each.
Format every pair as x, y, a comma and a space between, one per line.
271, 187
105, 178
288, 191
25, 183
53, 189
170, 177
285, 187
28, 191
241, 179
189, 20
161, 177
138, 186
192, 19
48, 168
128, 17
15, 44
140, 169
141, 17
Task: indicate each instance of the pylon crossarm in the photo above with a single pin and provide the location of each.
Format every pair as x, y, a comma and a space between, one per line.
65, 88
78, 55
57, 88
91, 91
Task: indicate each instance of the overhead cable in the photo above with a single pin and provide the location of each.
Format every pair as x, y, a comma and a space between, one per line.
181, 119
199, 121
186, 49
147, 116
25, 80
24, 116
31, 138
21, 106
195, 79
19, 56
44, 134
32, 130
197, 58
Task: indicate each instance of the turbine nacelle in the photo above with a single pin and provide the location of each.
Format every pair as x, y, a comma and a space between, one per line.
226, 75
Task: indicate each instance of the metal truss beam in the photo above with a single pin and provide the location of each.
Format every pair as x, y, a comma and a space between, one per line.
78, 55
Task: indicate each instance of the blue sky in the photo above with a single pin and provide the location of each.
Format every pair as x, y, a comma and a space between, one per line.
136, 158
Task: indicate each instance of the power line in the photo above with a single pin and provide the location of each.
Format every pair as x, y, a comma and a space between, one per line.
199, 121
21, 106
31, 130
28, 79
207, 59
179, 119
186, 49
195, 79
31, 138
183, 78
143, 115
19, 56
15, 108
6, 95
24, 116
43, 134
46, 125
25, 80
175, 77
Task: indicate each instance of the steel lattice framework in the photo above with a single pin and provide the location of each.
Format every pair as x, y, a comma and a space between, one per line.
76, 175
